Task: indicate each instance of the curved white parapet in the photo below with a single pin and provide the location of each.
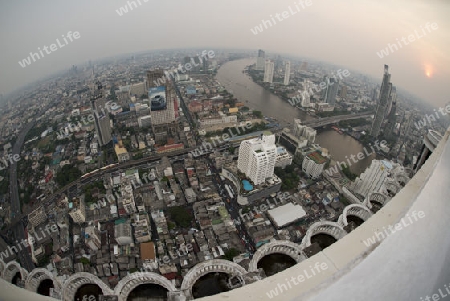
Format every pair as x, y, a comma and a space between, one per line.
376, 197
407, 264
11, 269
130, 282
331, 228
74, 282
285, 247
37, 276
357, 210
211, 266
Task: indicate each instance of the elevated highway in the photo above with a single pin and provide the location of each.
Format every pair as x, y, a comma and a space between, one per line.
330, 120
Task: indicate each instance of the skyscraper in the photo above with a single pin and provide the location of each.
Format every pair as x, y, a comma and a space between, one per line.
392, 120
304, 132
392, 99
287, 73
306, 96
155, 78
101, 117
102, 127
373, 177
163, 111
268, 72
205, 66
260, 60
257, 158
343, 92
385, 94
330, 92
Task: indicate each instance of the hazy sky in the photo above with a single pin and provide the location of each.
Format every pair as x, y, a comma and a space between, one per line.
344, 32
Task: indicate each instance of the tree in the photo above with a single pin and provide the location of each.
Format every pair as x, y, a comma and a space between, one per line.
67, 174
181, 216
346, 170
84, 260
231, 253
170, 226
258, 114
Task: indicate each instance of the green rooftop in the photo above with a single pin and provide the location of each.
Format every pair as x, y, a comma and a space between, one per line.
317, 157
130, 172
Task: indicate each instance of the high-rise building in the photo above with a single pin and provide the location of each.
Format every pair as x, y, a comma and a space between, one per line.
385, 96
103, 128
162, 114
373, 177
343, 92
306, 96
392, 99
163, 105
313, 164
102, 122
268, 72
430, 141
155, 78
391, 121
330, 92
287, 73
260, 60
382, 176
304, 132
77, 211
257, 158
205, 66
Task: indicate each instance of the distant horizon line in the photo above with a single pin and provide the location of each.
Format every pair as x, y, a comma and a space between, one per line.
55, 74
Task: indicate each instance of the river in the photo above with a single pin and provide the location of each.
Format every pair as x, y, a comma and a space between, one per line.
257, 98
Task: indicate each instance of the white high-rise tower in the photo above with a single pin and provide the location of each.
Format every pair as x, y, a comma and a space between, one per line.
287, 73
268, 71
257, 158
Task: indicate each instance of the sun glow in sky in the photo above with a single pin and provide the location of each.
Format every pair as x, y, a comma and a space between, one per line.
428, 70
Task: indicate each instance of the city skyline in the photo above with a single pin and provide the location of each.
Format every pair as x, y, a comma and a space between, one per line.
421, 68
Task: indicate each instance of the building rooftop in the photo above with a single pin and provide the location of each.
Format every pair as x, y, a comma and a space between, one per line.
148, 251
317, 157
286, 214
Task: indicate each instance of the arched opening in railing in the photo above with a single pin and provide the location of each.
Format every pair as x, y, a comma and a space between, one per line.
148, 291
275, 263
